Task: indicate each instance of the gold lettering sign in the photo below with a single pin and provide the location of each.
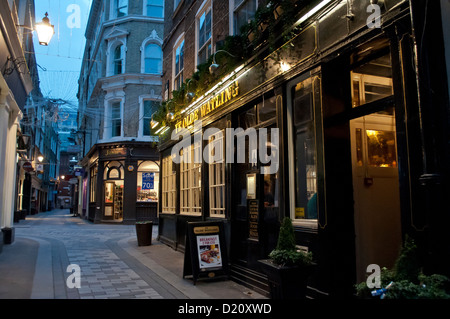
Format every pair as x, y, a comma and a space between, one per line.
213, 103
206, 230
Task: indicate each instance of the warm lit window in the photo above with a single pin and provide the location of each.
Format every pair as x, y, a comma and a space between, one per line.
147, 181
216, 170
179, 65
190, 180
155, 8
204, 35
153, 59
169, 190
244, 12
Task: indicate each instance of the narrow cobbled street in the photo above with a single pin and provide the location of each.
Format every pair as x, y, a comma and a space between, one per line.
112, 264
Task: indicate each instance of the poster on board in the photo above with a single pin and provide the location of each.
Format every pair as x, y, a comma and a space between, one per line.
205, 256
209, 255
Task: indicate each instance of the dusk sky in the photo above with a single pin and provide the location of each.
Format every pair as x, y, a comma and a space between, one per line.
60, 61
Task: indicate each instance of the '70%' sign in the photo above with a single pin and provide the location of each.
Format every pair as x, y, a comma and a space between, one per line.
148, 181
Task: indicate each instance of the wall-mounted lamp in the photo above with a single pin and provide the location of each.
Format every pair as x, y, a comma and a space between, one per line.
45, 30
40, 158
189, 95
214, 66
153, 123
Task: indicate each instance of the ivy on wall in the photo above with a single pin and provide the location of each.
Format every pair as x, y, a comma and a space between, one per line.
260, 33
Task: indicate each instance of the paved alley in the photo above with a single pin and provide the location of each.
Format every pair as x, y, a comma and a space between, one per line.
112, 264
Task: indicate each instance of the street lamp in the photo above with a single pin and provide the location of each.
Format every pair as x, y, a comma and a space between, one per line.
45, 30
40, 158
62, 177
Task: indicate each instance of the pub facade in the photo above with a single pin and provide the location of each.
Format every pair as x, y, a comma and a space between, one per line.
351, 121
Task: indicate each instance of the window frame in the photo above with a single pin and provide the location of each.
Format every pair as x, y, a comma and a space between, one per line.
232, 14
205, 8
308, 223
214, 188
142, 117
145, 9
168, 186
178, 76
188, 189
145, 58
116, 8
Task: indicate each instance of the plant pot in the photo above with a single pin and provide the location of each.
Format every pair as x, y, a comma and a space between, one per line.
144, 232
286, 282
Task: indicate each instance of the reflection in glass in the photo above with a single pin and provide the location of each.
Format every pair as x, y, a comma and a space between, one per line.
381, 148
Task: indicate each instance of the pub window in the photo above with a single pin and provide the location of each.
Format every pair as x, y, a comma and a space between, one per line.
169, 190
372, 81
147, 181
375, 142
216, 170
305, 176
190, 180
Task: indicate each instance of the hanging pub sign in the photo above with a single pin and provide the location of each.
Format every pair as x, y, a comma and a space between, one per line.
27, 166
205, 255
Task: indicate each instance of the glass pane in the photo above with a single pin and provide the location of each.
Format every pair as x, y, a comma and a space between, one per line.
155, 8
372, 81
303, 102
248, 118
116, 126
267, 109
359, 151
244, 14
381, 149
115, 110
305, 152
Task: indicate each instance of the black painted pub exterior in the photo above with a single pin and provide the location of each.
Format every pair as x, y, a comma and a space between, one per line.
363, 119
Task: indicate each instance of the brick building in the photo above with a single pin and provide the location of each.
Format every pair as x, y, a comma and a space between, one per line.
360, 118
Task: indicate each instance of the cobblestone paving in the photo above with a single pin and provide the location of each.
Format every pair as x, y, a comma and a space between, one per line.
104, 275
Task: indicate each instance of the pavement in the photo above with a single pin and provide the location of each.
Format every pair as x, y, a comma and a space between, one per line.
112, 265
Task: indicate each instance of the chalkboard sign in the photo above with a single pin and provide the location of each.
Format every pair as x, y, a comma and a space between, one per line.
253, 216
205, 255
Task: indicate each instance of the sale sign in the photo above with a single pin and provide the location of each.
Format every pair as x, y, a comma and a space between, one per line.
148, 181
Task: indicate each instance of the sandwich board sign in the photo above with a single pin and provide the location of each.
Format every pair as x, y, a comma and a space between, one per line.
205, 255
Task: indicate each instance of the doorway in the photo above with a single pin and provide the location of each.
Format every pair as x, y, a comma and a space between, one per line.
375, 174
113, 191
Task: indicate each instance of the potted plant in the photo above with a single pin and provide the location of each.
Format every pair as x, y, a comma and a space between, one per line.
287, 268
406, 280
